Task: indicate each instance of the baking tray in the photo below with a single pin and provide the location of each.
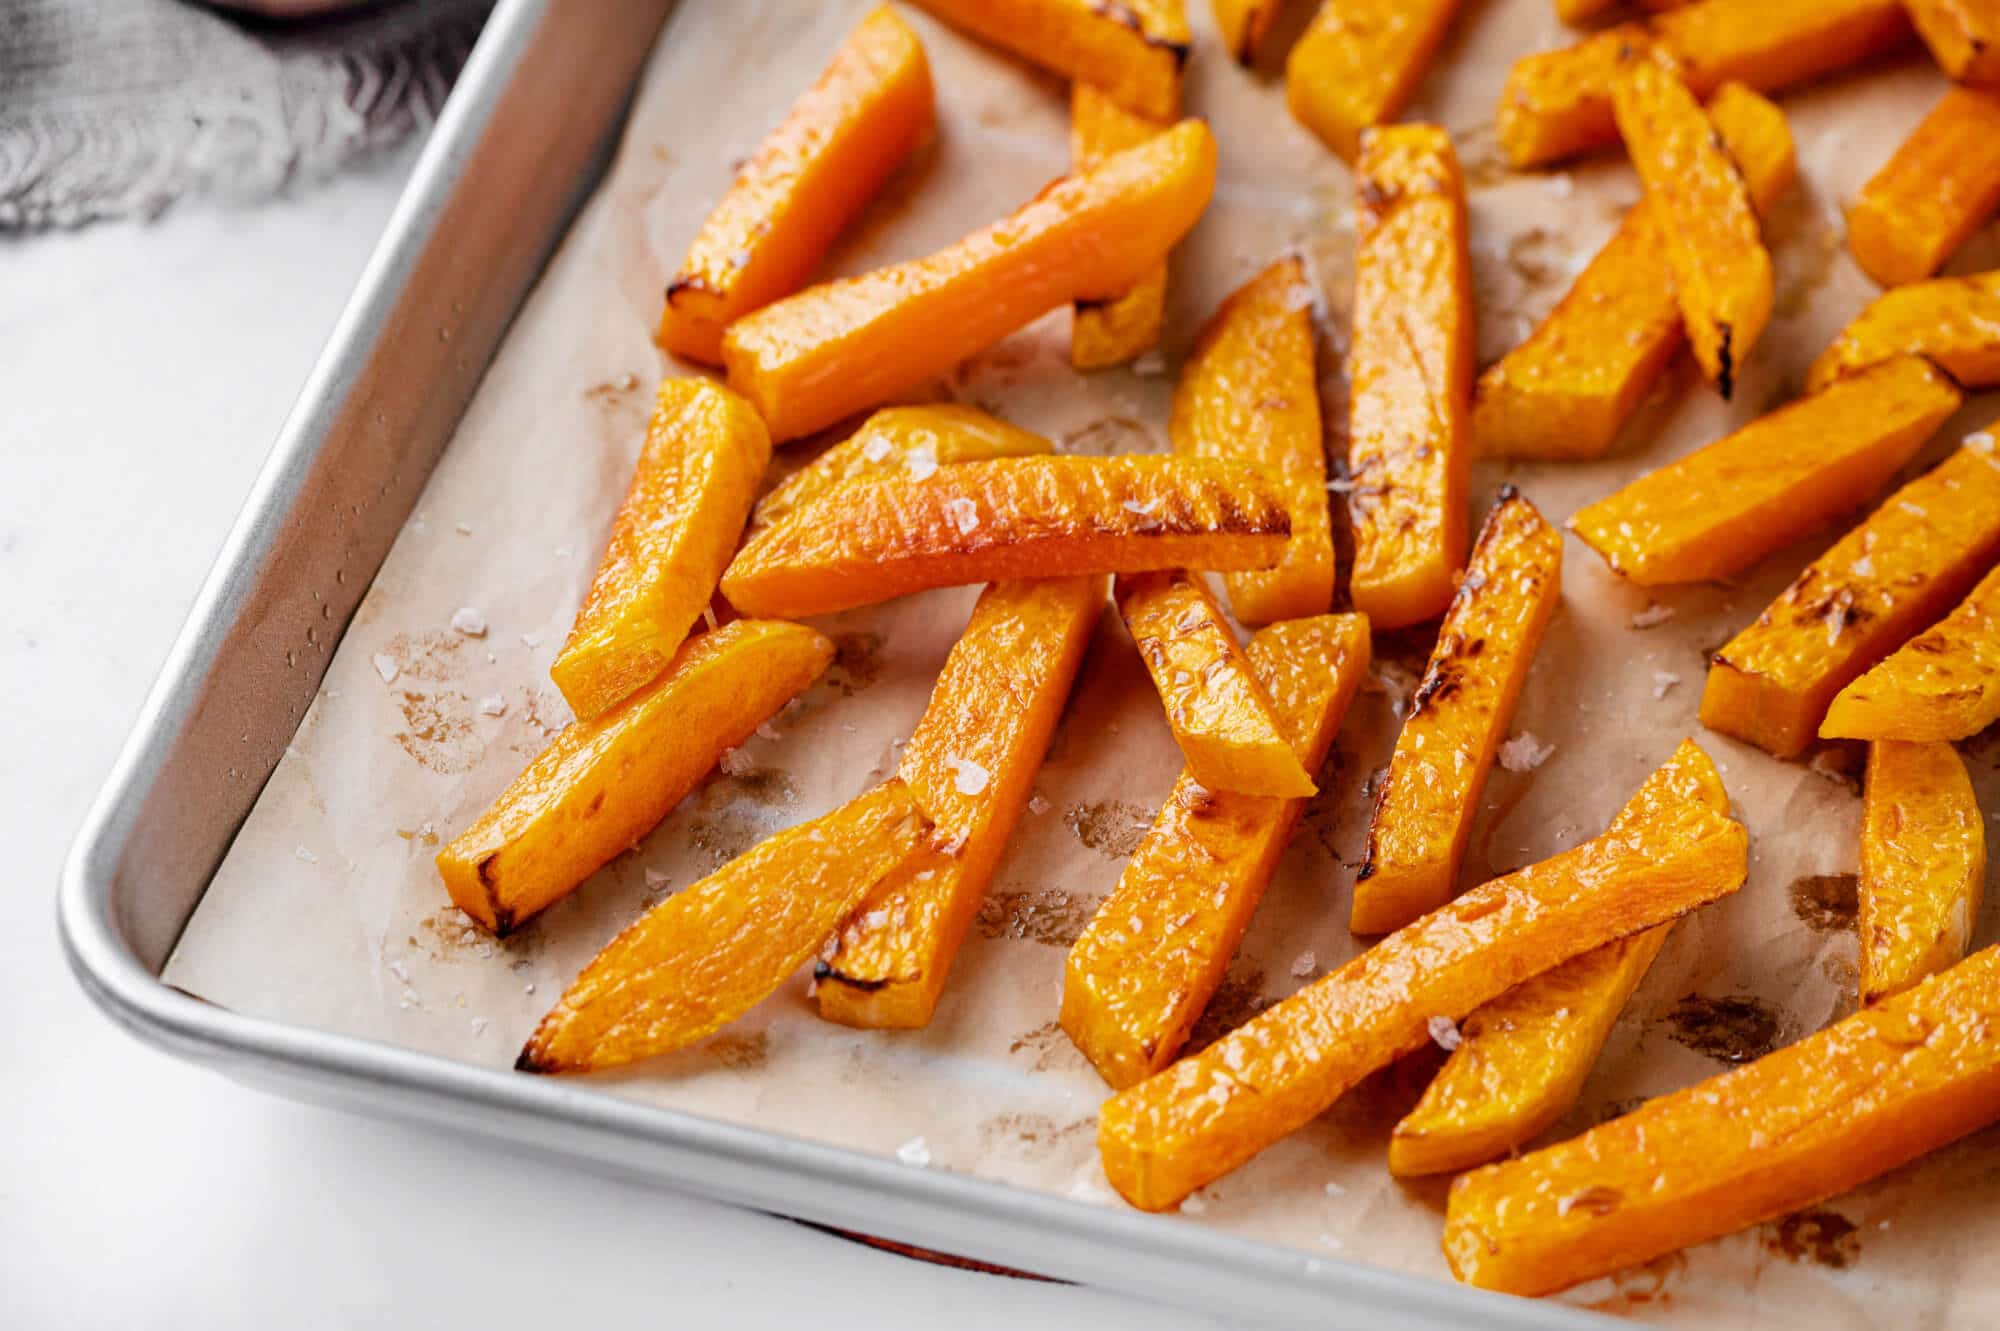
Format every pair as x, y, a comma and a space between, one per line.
491, 195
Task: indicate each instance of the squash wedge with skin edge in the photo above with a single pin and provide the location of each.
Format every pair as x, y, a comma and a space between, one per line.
1228, 729
811, 359
1963, 35
1567, 391
1410, 363
1923, 865
1133, 49
1897, 572
808, 181
1939, 187
1707, 222
1243, 25
601, 785
1943, 684
708, 954
1114, 330
1952, 321
881, 537
971, 767
1358, 64
1725, 506
1868, 1093
1665, 854
1458, 716
1249, 389
704, 457
1153, 956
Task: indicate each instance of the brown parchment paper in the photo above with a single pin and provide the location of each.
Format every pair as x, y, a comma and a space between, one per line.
328, 912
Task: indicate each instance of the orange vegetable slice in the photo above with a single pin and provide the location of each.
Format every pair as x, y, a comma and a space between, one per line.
1953, 321
1410, 361
1139, 977
601, 785
1940, 186
1249, 390
1114, 330
1721, 508
1923, 865
809, 179
1244, 24
970, 766
1869, 1093
1964, 37
832, 350
1358, 63
1133, 49
885, 536
1458, 716
1943, 684
1896, 572
1667, 853
704, 457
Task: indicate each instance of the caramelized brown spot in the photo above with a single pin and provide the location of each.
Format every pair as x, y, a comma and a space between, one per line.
1826, 902
1728, 1030
1827, 1238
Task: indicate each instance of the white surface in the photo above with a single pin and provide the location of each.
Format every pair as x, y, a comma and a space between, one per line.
144, 371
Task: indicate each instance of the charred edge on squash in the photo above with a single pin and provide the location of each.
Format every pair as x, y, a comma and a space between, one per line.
689, 282
1725, 371
1124, 15
503, 915
1247, 52
823, 973
531, 1060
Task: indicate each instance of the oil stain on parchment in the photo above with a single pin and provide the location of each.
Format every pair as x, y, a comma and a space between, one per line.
1825, 902
1112, 828
440, 736
1044, 915
1735, 1029
1824, 1238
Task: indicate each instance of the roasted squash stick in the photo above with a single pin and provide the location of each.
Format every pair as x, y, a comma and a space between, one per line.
1567, 391
1558, 103
1410, 362
1458, 716
1964, 36
1249, 390
1116, 329
704, 457
832, 350
708, 954
914, 439
1938, 188
1132, 49
1667, 853
601, 785
1943, 684
1879, 584
1954, 321
1243, 25
970, 766
879, 537
809, 179
1358, 63
1521, 1060
1139, 977
1707, 222
1923, 865
1871, 1092
1725, 506
1229, 731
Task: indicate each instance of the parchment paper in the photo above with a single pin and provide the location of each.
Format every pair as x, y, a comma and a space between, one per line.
329, 913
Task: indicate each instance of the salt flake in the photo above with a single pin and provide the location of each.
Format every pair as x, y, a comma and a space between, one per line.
765, 730
915, 1152
967, 775
1863, 567
468, 621
386, 667
1652, 616
462, 528
1524, 753
1335, 1190
1663, 682
734, 762
531, 639
1192, 1205
303, 854
1305, 964
1036, 804
493, 705
922, 466
1150, 365
964, 515
1445, 1031
876, 448
654, 878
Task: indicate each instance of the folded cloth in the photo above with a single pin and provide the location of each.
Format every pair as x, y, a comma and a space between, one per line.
116, 108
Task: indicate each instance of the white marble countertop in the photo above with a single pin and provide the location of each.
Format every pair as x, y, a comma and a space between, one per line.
144, 371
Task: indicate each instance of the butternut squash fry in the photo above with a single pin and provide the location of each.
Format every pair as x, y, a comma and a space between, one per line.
1458, 716
1923, 865
1707, 221
1358, 63
1879, 584
1567, 391
1112, 331
831, 350
1521, 1061
1857, 1099
809, 179
1244, 24
885, 536
1937, 189
708, 954
912, 439
1230, 733
970, 767
1139, 977
1132, 49
601, 785
704, 457
1558, 103
1667, 853
1584, 11
1943, 684
1725, 506
1964, 37
1953, 321
1249, 390
1410, 361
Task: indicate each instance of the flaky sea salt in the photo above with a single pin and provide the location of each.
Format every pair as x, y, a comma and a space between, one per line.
1524, 753
479, 1025
462, 528
1304, 964
1036, 804
734, 762
1143, 510
915, 1152
400, 971
1192, 1205
1443, 1030
1151, 365
468, 621
1981, 440
765, 730
1912, 509
876, 448
1863, 567
1652, 615
967, 775
654, 878
922, 466
1663, 682
303, 854
493, 705
565, 551
964, 515
531, 639
1559, 184
386, 667
1335, 1190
